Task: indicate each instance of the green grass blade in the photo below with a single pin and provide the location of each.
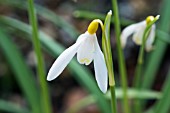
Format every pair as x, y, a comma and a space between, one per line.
57, 20
7, 106
94, 15
44, 95
22, 73
163, 105
132, 93
139, 94
82, 74
121, 59
164, 37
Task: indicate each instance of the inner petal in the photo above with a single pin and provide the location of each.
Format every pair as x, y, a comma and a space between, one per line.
137, 37
86, 51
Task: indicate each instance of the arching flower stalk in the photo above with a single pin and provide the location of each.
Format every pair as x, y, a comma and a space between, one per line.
138, 30
88, 50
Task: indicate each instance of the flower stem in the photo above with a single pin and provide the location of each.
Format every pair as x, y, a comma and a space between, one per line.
120, 57
113, 99
44, 97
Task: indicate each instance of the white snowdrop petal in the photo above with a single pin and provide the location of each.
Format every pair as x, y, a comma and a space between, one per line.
100, 68
86, 50
126, 33
150, 39
62, 61
138, 34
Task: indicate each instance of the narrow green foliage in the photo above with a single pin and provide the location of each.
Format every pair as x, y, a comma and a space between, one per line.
93, 15
132, 93
121, 61
163, 36
7, 106
163, 105
44, 95
81, 104
22, 73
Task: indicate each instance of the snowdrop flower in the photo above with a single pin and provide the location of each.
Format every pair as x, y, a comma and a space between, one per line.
137, 30
88, 50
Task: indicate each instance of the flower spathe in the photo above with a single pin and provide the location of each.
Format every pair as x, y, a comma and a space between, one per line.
137, 30
88, 50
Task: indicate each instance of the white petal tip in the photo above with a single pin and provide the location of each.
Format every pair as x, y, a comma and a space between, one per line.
49, 78
157, 17
104, 91
123, 42
110, 12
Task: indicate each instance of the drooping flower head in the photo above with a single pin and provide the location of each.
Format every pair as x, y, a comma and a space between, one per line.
137, 30
88, 50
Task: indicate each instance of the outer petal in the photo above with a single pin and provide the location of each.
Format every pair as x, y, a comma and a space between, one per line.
86, 50
63, 60
137, 37
150, 39
100, 68
126, 33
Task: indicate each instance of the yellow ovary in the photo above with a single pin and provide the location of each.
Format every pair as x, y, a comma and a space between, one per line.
93, 26
149, 19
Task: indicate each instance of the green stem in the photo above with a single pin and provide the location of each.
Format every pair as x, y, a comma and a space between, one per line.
113, 99
44, 97
120, 57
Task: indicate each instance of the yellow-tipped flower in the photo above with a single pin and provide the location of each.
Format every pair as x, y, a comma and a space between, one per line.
137, 30
88, 50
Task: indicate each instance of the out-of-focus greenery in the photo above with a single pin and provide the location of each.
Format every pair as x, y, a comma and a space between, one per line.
22, 72
11, 107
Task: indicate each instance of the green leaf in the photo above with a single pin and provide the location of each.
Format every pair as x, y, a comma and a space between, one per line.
132, 94
22, 73
94, 15
139, 94
7, 106
45, 101
163, 36
82, 74
163, 105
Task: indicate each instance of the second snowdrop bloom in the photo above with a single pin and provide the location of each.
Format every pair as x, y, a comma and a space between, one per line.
137, 30
88, 50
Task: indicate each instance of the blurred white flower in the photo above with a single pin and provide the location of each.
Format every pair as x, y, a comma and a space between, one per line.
88, 50
137, 30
